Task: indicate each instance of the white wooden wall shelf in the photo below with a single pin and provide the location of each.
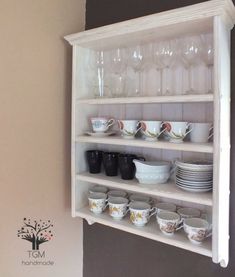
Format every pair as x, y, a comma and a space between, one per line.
216, 17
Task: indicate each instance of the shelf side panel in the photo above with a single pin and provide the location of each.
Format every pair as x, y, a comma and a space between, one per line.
221, 142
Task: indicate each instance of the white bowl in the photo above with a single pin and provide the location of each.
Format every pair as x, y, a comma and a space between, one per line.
152, 178
152, 167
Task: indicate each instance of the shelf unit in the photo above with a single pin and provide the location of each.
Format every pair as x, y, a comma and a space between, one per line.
216, 17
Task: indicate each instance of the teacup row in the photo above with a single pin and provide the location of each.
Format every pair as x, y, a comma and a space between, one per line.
174, 131
169, 217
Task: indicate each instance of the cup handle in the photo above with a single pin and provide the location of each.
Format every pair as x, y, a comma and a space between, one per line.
127, 211
211, 135
209, 232
153, 211
162, 131
189, 131
180, 225
141, 158
138, 128
111, 122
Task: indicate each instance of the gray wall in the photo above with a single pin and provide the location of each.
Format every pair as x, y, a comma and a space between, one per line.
112, 253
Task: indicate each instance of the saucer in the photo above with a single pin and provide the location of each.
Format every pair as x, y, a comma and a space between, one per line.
100, 134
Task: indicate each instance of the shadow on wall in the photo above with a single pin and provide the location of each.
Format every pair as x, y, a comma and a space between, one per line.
112, 253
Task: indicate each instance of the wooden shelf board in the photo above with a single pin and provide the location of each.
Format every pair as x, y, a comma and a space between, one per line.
145, 100
168, 190
151, 231
117, 140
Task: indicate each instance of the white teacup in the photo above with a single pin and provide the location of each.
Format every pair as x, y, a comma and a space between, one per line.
118, 207
128, 128
117, 193
97, 202
176, 131
101, 124
98, 188
200, 132
141, 198
151, 129
140, 213
197, 229
188, 212
169, 222
165, 207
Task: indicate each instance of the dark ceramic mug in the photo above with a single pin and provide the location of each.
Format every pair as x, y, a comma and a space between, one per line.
94, 160
126, 165
110, 162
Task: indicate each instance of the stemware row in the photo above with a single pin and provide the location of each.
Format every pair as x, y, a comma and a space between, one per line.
111, 66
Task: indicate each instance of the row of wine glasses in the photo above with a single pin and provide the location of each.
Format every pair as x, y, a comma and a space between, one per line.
112, 66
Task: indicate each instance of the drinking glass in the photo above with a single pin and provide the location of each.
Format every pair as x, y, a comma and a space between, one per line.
159, 66
165, 57
97, 64
208, 58
190, 53
136, 61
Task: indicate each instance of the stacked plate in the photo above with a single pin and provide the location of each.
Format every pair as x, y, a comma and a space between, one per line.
195, 176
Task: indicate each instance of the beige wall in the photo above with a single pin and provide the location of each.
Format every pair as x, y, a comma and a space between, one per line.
35, 75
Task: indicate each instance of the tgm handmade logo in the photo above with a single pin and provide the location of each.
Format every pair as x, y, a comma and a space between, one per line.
36, 232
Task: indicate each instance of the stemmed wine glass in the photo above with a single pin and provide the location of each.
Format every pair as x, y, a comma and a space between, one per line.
191, 56
118, 63
136, 61
208, 58
164, 57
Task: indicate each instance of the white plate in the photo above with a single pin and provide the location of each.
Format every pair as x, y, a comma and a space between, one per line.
195, 190
195, 165
194, 187
101, 135
193, 182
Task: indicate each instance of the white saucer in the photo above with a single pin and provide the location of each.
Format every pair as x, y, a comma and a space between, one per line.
99, 134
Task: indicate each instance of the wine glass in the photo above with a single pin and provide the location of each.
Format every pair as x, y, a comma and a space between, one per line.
208, 58
136, 61
190, 54
164, 57
118, 63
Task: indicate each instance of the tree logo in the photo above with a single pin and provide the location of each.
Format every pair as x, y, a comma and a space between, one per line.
36, 232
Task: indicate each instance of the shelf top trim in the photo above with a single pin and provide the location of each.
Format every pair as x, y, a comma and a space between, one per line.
150, 99
194, 12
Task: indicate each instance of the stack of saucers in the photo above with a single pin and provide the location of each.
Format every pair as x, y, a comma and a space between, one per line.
195, 176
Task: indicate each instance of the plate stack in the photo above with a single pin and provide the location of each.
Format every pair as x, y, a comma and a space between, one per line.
195, 176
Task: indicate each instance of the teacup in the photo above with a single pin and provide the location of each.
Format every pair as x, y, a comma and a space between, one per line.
140, 213
176, 131
165, 207
128, 128
98, 188
169, 222
151, 129
97, 202
117, 193
118, 207
197, 229
188, 212
201, 132
101, 124
141, 198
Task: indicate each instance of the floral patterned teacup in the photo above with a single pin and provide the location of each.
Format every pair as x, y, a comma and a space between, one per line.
169, 222
97, 202
128, 128
176, 131
118, 207
165, 207
140, 213
151, 129
101, 124
197, 229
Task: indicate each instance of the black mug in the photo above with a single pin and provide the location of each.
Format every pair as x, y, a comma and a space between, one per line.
126, 165
110, 161
94, 160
